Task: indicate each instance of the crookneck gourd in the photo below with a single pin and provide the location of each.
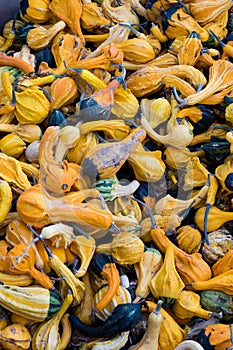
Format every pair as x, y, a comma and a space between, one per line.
37, 208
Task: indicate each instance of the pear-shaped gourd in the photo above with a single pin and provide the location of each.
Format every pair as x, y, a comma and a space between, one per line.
188, 305
167, 284
216, 218
156, 111
222, 282
126, 248
15, 337
189, 266
146, 268
106, 159
147, 166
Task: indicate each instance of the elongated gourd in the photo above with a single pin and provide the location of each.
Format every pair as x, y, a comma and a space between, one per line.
222, 282
146, 268
123, 318
151, 336
48, 332
34, 303
188, 305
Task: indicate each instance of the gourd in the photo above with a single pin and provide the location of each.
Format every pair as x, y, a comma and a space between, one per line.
222, 282
188, 305
156, 111
219, 243
146, 268
48, 332
77, 287
114, 343
92, 16
106, 159
189, 345
167, 284
70, 13
217, 301
223, 264
224, 172
103, 265
137, 50
83, 248
63, 91
190, 51
28, 132
122, 296
39, 37
5, 199
151, 336
123, 318
188, 239
34, 303
19, 262
12, 145
171, 334
216, 336
32, 207
147, 166
84, 310
126, 248
216, 218
15, 337
35, 12
189, 266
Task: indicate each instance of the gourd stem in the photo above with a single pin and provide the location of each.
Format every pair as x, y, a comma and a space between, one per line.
186, 212
14, 88
231, 337
183, 101
46, 93
184, 6
153, 222
76, 70
114, 228
199, 87
128, 25
158, 307
208, 206
120, 78
48, 251
217, 38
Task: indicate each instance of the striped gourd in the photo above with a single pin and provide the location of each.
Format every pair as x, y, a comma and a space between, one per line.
122, 296
34, 303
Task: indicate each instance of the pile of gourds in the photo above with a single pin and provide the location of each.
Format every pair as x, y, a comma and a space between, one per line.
116, 175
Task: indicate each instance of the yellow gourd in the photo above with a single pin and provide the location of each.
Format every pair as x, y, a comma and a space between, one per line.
151, 336
216, 218
167, 284
146, 268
